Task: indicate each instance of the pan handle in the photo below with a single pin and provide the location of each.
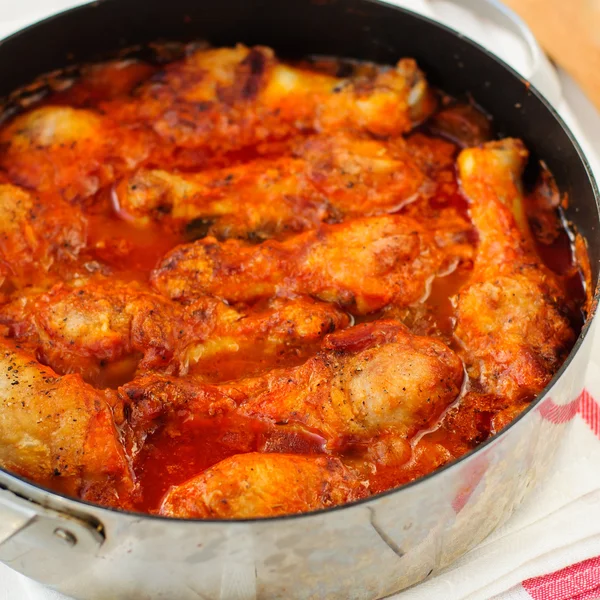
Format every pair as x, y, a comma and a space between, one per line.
13, 517
23, 521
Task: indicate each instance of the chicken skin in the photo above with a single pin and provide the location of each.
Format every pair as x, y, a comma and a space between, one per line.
106, 331
68, 151
368, 381
362, 176
98, 328
264, 485
362, 265
512, 314
253, 201
230, 98
327, 180
59, 431
40, 236
371, 380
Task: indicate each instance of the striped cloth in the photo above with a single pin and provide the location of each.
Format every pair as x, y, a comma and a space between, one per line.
580, 581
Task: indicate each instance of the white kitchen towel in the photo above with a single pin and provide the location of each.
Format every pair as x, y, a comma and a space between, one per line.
550, 549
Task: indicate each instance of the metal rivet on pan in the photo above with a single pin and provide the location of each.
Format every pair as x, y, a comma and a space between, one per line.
65, 536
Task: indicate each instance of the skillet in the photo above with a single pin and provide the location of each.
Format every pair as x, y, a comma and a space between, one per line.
370, 548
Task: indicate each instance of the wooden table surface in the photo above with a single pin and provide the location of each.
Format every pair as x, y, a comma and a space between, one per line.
569, 31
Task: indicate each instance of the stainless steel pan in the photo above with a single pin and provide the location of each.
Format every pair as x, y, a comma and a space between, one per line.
368, 549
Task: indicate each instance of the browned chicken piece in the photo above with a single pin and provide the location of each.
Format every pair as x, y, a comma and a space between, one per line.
105, 330
233, 343
255, 200
362, 176
100, 329
372, 380
329, 179
228, 98
154, 401
387, 103
38, 236
253, 485
362, 265
70, 151
59, 431
368, 381
512, 314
